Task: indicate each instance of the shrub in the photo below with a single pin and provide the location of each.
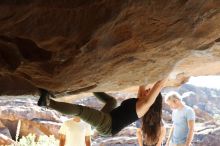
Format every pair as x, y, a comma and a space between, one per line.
43, 140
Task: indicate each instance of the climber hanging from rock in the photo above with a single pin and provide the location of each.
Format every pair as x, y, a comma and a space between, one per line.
111, 119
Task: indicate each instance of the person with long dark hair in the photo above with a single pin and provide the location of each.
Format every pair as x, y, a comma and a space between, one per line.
110, 120
152, 130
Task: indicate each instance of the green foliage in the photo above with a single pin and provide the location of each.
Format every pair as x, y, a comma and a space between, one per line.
43, 140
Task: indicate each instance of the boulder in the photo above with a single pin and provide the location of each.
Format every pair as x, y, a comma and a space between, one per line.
74, 46
4, 140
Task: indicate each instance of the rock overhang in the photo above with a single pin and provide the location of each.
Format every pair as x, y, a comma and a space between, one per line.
77, 46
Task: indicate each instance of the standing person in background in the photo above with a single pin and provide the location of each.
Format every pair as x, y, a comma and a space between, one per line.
75, 132
150, 128
183, 117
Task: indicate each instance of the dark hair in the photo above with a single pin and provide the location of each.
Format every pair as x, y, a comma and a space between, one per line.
151, 121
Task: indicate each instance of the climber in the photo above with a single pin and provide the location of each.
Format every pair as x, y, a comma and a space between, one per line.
110, 120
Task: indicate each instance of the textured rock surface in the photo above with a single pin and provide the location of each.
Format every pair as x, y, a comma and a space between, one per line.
208, 135
4, 140
39, 128
21, 109
4, 130
34, 119
94, 45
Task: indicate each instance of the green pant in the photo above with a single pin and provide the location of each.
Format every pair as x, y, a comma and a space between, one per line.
101, 120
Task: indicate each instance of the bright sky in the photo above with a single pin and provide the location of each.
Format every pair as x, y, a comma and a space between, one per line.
205, 81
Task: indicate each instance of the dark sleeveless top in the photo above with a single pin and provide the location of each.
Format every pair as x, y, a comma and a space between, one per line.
123, 115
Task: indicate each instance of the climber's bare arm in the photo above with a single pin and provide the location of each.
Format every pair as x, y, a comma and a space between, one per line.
148, 97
